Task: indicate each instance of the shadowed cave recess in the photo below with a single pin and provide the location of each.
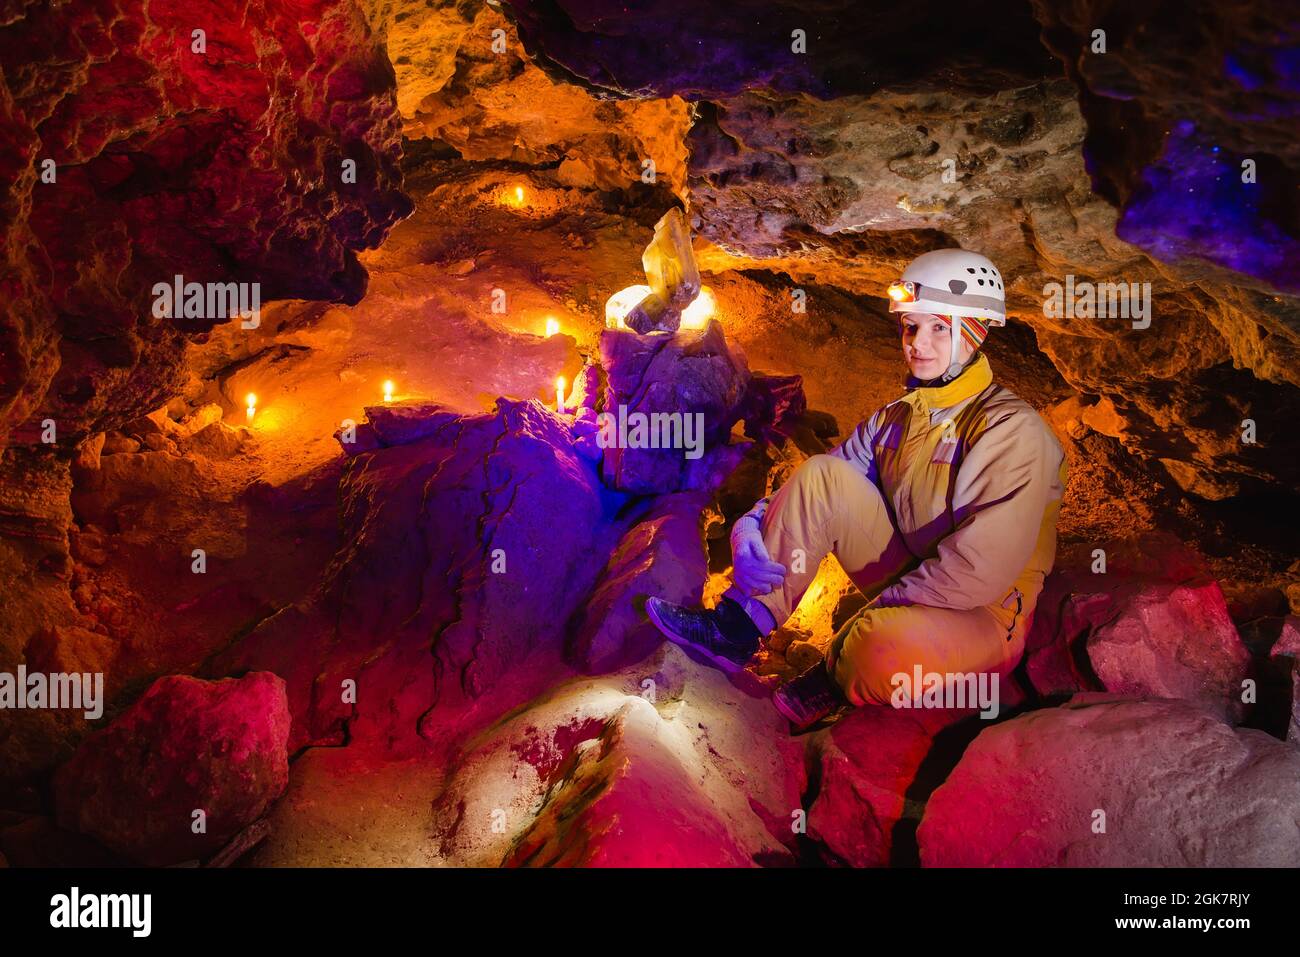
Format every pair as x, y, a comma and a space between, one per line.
342, 551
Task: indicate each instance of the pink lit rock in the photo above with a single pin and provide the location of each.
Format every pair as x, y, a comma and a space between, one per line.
1177, 786
1155, 623
665, 764
185, 745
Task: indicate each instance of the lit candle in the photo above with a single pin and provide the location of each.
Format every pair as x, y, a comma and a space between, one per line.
559, 394
552, 326
388, 390
251, 400
519, 195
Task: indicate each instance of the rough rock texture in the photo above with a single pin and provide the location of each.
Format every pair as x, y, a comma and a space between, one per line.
669, 46
688, 373
666, 764
873, 773
663, 555
461, 552
1287, 648
185, 745
1173, 112
224, 165
1154, 623
1177, 787
454, 87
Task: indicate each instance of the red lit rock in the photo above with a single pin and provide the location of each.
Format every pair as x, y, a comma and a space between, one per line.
1154, 623
224, 165
185, 745
868, 768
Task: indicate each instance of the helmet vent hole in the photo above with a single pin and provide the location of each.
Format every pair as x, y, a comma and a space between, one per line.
970, 269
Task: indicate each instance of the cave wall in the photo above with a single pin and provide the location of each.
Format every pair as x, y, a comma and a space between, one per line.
221, 165
1116, 166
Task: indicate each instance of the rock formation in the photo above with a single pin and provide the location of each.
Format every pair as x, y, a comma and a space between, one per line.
361, 568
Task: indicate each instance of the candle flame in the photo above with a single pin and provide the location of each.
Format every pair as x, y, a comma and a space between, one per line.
552, 326
388, 390
251, 401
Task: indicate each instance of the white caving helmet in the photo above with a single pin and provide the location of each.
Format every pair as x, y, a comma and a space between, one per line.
962, 285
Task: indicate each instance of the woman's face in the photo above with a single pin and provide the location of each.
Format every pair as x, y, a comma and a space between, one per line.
927, 345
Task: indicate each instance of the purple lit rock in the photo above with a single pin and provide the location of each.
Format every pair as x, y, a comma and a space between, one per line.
692, 381
185, 745
464, 552
663, 555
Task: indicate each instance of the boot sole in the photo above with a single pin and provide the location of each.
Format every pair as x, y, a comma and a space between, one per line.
779, 703
723, 664
830, 717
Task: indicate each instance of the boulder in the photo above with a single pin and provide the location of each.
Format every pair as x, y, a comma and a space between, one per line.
216, 441
662, 555
870, 781
1109, 782
665, 764
185, 745
690, 373
1153, 623
463, 556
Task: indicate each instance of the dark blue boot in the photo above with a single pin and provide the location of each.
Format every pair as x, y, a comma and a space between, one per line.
812, 696
724, 635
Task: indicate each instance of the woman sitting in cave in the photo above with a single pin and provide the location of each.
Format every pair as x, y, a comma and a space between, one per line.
941, 508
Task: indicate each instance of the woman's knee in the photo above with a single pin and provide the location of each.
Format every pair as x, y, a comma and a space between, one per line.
871, 649
826, 472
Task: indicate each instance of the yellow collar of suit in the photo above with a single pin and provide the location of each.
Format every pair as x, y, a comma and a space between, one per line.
974, 379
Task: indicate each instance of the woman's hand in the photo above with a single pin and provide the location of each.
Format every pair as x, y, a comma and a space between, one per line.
753, 570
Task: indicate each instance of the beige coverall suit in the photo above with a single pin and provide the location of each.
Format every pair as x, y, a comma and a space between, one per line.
941, 508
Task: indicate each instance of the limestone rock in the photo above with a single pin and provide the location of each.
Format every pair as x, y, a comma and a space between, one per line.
661, 555
462, 553
692, 374
185, 745
220, 167
665, 764
1177, 787
1155, 623
871, 789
